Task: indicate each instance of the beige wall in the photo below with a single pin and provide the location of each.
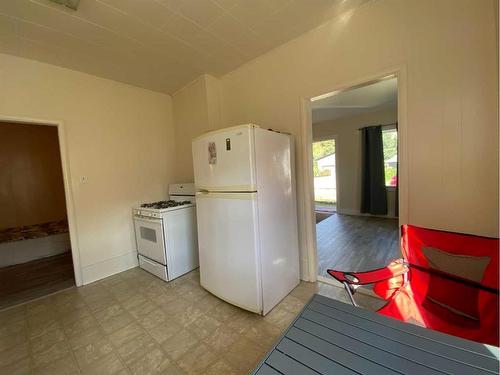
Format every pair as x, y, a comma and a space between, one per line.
31, 181
118, 136
197, 109
122, 137
348, 155
449, 49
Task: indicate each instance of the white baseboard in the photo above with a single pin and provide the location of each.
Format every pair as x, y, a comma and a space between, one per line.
109, 267
17, 252
346, 211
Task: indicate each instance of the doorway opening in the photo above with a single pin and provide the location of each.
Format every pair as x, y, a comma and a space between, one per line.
325, 185
35, 247
362, 232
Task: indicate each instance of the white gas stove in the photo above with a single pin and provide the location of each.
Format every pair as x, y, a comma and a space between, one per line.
166, 235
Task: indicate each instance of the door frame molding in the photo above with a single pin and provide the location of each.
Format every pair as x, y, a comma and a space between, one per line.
397, 71
68, 192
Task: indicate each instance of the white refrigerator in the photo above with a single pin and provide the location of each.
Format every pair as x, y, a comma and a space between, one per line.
246, 214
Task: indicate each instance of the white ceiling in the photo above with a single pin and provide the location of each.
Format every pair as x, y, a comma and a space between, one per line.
157, 44
379, 95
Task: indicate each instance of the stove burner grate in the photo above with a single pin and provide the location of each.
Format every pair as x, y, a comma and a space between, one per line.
164, 204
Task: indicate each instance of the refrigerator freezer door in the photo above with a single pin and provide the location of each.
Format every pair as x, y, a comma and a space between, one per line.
227, 237
224, 160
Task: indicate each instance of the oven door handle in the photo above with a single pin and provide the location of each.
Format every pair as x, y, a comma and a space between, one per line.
147, 220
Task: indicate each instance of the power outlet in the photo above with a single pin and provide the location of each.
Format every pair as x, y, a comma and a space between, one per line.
84, 179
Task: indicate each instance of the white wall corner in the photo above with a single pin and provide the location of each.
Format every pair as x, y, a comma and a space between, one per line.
213, 90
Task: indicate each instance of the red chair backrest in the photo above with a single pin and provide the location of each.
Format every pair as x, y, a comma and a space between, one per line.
414, 239
454, 275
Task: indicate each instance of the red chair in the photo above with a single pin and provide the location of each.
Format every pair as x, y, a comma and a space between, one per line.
447, 282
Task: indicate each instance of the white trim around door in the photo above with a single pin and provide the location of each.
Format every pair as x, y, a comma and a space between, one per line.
70, 211
307, 176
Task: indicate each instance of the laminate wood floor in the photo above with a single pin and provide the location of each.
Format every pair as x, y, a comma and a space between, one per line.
24, 282
356, 243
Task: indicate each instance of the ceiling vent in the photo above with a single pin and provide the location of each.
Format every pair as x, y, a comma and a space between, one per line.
73, 4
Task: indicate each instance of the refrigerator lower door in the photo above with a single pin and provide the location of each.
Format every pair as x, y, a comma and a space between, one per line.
228, 244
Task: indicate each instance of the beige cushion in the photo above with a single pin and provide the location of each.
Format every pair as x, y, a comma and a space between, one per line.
458, 298
465, 266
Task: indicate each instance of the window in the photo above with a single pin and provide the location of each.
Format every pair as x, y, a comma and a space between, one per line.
390, 144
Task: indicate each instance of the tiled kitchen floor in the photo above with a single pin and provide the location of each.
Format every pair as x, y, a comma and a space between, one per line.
135, 323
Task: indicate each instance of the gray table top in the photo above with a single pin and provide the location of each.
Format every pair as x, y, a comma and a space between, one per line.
331, 337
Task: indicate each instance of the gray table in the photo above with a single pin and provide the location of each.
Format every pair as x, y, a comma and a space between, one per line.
331, 337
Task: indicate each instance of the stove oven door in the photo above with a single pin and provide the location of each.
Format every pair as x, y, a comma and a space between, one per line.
149, 238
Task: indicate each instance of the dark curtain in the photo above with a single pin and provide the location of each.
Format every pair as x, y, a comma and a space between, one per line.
373, 191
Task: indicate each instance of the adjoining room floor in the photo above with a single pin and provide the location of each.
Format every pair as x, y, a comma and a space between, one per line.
27, 281
134, 323
356, 243
320, 216
325, 207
